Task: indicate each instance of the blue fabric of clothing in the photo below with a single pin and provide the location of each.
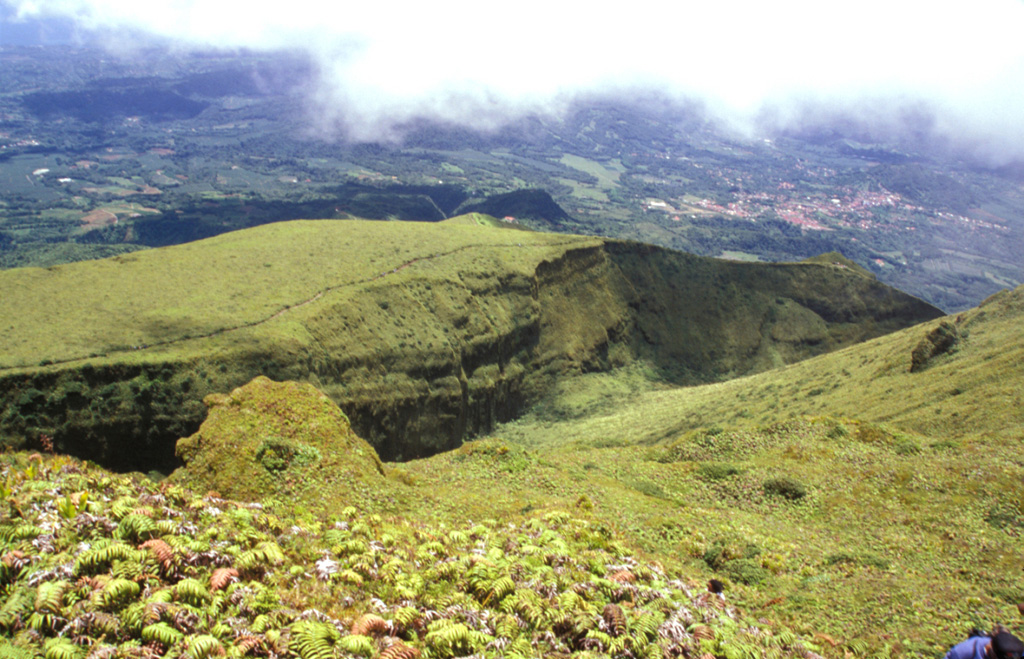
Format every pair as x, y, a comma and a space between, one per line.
972, 648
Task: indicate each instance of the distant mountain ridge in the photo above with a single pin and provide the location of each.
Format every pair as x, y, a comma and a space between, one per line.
530, 204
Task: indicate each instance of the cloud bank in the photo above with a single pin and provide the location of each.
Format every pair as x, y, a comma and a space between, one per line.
482, 63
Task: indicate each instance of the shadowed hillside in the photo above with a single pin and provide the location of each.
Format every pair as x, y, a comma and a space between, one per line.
424, 334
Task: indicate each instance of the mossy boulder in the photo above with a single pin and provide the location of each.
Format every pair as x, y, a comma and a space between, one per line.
942, 340
280, 440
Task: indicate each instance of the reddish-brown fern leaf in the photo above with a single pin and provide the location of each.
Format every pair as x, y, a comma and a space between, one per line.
703, 632
615, 619
154, 611
15, 559
222, 577
370, 624
246, 644
164, 553
623, 576
400, 651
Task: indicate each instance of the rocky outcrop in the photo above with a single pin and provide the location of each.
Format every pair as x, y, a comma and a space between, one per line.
276, 439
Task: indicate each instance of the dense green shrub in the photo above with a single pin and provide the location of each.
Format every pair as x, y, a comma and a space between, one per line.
866, 559
906, 446
650, 489
785, 487
721, 552
746, 570
716, 471
838, 431
277, 454
1004, 516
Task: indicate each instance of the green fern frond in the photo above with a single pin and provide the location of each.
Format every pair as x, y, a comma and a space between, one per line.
334, 537
218, 603
406, 616
571, 601
505, 626
265, 554
134, 569
361, 528
261, 623
450, 571
648, 624
603, 639
122, 508
166, 527
9, 651
98, 558
22, 531
192, 591
350, 547
50, 596
62, 648
654, 651
313, 640
429, 550
133, 617
19, 605
221, 630
410, 586
449, 639
528, 605
42, 622
359, 645
137, 528
117, 593
203, 647
104, 624
161, 632
163, 595
390, 571
503, 587
350, 576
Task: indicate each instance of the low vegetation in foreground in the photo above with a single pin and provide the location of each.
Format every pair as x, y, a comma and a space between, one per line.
101, 565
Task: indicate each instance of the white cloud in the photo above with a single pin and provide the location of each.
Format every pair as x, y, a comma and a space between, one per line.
476, 62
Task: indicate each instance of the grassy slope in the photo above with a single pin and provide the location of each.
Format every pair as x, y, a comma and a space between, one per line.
975, 393
902, 540
245, 286
230, 281
907, 535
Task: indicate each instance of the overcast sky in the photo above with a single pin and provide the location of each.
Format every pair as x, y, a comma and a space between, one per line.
479, 62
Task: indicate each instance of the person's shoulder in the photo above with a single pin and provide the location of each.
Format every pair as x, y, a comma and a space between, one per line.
972, 648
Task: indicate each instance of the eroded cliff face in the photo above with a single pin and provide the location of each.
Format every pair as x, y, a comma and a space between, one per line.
421, 362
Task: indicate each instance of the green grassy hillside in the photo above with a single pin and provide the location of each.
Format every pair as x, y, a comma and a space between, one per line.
853, 528
424, 333
844, 495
